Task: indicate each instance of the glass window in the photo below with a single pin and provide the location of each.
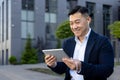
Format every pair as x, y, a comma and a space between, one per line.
47, 28
106, 20
91, 9
30, 29
3, 55
27, 18
53, 18
23, 15
7, 56
3, 21
24, 4
30, 15
27, 15
50, 15
23, 29
7, 19
71, 4
28, 4
27, 29
47, 17
47, 6
50, 18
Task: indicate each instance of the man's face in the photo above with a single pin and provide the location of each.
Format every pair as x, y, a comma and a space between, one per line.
79, 24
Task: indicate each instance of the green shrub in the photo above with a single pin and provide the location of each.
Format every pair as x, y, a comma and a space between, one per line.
115, 29
32, 61
63, 30
29, 55
13, 60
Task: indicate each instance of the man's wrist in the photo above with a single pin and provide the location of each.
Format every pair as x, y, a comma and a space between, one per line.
78, 66
55, 64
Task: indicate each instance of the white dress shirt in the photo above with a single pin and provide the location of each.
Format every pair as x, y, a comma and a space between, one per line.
79, 53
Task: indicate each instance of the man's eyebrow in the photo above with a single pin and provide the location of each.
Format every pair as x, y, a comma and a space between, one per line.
75, 20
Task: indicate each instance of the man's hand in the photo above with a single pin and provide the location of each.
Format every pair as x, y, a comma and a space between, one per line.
50, 60
73, 64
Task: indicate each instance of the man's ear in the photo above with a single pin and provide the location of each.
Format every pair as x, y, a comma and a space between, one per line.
89, 19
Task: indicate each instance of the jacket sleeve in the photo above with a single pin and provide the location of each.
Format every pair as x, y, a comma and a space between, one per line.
104, 67
60, 68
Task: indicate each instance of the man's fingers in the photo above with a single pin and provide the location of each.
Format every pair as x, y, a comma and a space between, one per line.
69, 62
50, 60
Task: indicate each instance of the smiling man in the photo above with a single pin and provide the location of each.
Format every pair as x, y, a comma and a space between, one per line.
91, 55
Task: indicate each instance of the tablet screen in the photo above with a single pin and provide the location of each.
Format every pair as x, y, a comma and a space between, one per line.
59, 53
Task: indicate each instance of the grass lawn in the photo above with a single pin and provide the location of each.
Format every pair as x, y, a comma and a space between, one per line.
117, 63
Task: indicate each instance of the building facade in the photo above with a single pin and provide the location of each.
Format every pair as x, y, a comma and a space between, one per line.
40, 18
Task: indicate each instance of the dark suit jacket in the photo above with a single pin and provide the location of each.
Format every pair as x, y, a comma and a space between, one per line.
98, 60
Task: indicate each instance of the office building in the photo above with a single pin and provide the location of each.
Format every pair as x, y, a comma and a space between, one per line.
40, 18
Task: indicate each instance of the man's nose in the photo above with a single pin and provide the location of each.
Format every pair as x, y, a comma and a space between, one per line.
74, 26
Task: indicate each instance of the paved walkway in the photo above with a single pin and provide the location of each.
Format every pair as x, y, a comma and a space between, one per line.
116, 74
20, 72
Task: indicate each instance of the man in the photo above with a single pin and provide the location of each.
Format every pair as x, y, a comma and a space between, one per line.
91, 55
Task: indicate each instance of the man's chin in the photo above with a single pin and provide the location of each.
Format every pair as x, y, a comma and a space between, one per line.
77, 35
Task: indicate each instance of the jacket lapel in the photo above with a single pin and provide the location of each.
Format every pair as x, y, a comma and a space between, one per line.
90, 44
73, 43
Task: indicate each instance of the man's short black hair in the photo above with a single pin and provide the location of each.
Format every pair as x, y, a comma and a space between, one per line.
82, 10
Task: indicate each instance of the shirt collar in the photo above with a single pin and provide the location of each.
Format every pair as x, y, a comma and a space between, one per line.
86, 36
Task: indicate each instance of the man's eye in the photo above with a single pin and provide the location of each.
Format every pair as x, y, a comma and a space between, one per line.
77, 22
71, 23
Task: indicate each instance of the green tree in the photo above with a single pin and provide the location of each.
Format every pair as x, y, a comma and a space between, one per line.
115, 29
29, 55
63, 30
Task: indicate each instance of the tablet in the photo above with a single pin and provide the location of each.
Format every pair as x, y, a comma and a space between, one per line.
58, 53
